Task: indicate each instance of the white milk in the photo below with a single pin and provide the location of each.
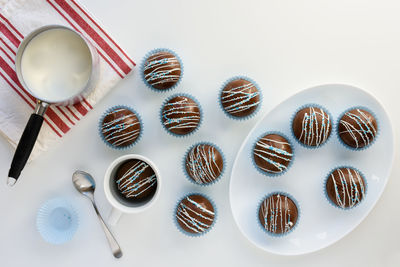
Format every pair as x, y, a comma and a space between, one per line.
56, 65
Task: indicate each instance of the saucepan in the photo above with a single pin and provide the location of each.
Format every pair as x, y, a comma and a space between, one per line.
57, 66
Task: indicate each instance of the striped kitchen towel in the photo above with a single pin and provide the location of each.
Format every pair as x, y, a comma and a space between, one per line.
17, 19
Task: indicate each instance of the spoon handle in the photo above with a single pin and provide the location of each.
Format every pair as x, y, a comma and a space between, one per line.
115, 248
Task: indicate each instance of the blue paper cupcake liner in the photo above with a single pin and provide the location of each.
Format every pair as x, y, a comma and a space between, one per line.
273, 175
326, 193
142, 65
258, 106
57, 221
200, 109
298, 214
176, 221
184, 163
331, 120
101, 123
338, 123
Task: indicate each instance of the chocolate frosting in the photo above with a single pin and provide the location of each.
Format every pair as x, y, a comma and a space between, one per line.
162, 70
240, 98
136, 180
195, 214
357, 128
345, 187
272, 153
181, 115
120, 127
204, 163
278, 214
312, 126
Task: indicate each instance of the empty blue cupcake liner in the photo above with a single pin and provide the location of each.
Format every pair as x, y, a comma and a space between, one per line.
332, 120
338, 123
142, 65
188, 96
273, 175
176, 221
326, 193
298, 214
49, 226
184, 163
258, 106
101, 123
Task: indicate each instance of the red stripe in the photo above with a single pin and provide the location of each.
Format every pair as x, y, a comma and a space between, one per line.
94, 35
10, 36
80, 108
87, 103
65, 115
73, 114
57, 120
52, 115
12, 26
5, 53
109, 38
9, 48
16, 90
72, 25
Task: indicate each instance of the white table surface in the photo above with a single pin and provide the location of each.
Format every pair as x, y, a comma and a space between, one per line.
285, 46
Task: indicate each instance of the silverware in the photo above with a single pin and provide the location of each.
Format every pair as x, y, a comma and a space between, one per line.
86, 185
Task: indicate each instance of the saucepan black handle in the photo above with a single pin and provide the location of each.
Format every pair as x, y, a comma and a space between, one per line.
25, 147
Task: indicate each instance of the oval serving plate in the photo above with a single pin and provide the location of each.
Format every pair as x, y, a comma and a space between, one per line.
320, 224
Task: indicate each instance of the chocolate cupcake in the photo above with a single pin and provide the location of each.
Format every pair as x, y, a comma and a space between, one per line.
357, 128
162, 69
312, 126
278, 214
180, 115
120, 127
136, 180
272, 154
345, 187
204, 163
195, 214
240, 97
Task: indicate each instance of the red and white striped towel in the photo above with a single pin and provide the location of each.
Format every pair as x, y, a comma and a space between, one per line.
17, 19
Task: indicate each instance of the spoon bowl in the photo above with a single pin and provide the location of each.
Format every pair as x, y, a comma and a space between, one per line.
83, 182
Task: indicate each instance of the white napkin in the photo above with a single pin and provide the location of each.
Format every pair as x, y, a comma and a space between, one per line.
17, 19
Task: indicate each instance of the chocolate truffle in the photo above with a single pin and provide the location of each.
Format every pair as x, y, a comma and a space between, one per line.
312, 126
240, 98
278, 214
162, 70
204, 163
272, 154
120, 127
195, 214
345, 187
136, 180
180, 115
357, 128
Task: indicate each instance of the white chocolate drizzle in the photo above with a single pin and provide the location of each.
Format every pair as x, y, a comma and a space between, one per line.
119, 133
198, 219
277, 214
133, 184
268, 153
202, 165
316, 127
349, 187
362, 130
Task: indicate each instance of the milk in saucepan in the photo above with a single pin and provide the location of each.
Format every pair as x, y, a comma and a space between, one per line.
56, 65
